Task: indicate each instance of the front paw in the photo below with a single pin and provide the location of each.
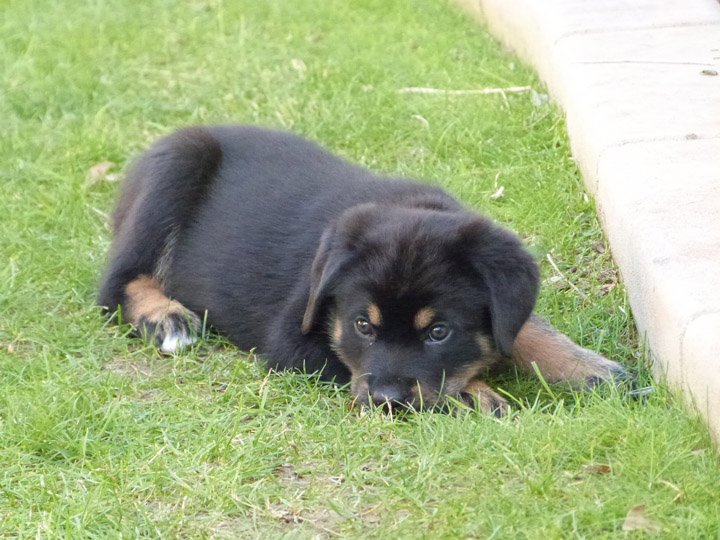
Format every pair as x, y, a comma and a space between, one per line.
479, 395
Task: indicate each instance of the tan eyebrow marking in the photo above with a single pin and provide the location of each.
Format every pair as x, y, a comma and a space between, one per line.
424, 317
374, 315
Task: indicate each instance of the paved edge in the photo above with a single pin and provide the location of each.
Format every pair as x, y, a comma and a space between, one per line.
639, 85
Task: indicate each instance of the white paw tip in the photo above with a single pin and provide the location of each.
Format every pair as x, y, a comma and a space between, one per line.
174, 342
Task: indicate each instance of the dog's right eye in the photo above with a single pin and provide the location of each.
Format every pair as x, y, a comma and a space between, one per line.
363, 326
439, 333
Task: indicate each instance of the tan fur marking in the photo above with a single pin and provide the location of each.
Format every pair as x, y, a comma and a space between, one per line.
455, 384
423, 318
337, 332
488, 400
146, 300
489, 356
556, 356
334, 330
374, 315
487, 347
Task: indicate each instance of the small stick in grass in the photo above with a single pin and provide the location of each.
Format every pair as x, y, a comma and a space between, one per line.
501, 91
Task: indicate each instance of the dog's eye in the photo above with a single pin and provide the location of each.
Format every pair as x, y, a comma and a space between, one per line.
438, 333
363, 326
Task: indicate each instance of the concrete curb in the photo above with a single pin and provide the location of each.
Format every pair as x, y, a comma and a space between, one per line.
639, 83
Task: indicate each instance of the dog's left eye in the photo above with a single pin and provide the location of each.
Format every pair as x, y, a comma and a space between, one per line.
438, 333
363, 326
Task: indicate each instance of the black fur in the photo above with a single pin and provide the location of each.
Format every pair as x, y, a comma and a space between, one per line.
277, 239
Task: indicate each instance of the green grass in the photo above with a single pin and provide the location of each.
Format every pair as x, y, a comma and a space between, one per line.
101, 437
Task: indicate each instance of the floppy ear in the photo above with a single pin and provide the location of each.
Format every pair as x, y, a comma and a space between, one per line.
509, 272
330, 258
337, 249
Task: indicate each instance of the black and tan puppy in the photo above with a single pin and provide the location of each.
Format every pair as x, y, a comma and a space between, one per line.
388, 284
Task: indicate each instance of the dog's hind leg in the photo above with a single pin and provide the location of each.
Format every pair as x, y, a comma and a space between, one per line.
158, 319
539, 345
160, 196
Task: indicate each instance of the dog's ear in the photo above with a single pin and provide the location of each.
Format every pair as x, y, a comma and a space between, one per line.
510, 274
335, 254
330, 259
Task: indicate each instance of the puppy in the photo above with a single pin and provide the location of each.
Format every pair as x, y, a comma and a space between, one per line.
322, 266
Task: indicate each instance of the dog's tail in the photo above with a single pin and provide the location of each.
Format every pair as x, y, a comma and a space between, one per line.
161, 193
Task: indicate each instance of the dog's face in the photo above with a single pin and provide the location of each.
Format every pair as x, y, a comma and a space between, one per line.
418, 302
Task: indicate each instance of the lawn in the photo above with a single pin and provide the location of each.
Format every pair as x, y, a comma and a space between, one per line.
102, 437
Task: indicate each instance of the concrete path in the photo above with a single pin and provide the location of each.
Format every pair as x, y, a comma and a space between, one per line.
639, 82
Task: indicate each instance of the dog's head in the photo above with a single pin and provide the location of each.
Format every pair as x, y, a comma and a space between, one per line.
416, 301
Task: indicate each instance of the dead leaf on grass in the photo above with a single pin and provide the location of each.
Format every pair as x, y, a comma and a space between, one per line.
637, 520
597, 469
99, 173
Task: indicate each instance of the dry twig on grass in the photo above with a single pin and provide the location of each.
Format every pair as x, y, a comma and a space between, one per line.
501, 91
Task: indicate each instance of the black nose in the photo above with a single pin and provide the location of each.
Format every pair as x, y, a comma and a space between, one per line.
392, 394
